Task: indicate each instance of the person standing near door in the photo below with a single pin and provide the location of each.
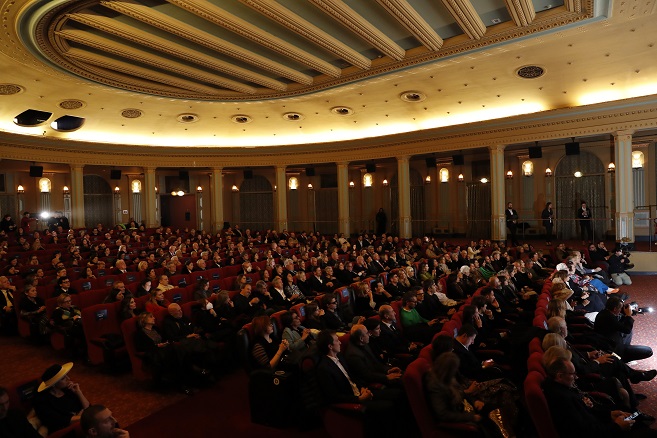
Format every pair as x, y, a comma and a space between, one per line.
548, 222
512, 222
584, 217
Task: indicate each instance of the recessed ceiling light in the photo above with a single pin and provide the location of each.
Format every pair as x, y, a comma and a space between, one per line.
530, 72
187, 118
412, 96
342, 110
241, 119
495, 21
9, 89
131, 113
293, 117
71, 104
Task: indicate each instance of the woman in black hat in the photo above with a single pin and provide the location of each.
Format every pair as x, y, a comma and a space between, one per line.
59, 401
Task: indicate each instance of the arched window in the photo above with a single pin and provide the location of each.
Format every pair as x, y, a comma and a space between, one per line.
45, 185
135, 186
444, 175
527, 168
368, 180
293, 183
637, 160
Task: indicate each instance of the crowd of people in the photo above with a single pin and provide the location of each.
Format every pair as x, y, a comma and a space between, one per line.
401, 294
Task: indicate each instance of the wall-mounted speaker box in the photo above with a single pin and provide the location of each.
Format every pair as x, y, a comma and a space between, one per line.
535, 152
36, 171
458, 160
248, 174
183, 174
370, 167
310, 171
572, 148
115, 174
431, 162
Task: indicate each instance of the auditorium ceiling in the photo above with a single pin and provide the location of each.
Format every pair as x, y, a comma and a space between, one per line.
302, 73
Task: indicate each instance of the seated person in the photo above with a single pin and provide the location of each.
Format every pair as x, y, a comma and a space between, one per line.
314, 315
33, 309
13, 423
97, 422
211, 324
116, 294
67, 319
64, 287
267, 351
417, 328
331, 317
156, 302
179, 329
366, 368
163, 283
364, 303
392, 341
144, 287
128, 308
292, 291
59, 401
299, 338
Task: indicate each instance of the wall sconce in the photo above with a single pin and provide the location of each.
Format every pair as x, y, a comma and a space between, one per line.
548, 172
578, 174
310, 186
199, 189
275, 187
65, 190
484, 180
155, 189
234, 188
611, 168
460, 177
352, 185
509, 174
20, 189
117, 190
427, 180
385, 183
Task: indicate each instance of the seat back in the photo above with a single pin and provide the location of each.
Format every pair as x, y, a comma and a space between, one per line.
414, 385
129, 328
538, 407
244, 339
99, 320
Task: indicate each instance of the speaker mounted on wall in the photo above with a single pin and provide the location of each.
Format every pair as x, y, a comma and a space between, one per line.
115, 174
310, 171
535, 152
248, 174
458, 160
431, 162
36, 171
572, 148
370, 167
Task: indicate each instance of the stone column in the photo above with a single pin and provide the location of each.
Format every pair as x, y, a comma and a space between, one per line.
77, 193
281, 199
404, 187
624, 186
149, 197
497, 195
343, 198
217, 202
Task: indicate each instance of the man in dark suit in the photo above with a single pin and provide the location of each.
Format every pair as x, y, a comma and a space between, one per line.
512, 222
8, 321
391, 339
279, 300
471, 367
366, 368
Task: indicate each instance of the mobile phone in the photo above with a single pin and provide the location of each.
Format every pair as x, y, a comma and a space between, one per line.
632, 416
616, 356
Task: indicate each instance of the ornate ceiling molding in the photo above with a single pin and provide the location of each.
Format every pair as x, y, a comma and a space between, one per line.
347, 17
309, 31
522, 11
466, 16
403, 12
220, 17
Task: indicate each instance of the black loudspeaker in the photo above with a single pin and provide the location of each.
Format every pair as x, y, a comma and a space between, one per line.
183, 174
458, 160
248, 174
535, 152
431, 162
310, 171
36, 171
572, 148
115, 174
370, 167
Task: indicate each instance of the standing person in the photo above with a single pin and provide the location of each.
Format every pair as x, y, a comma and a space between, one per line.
548, 222
512, 222
25, 222
381, 221
584, 217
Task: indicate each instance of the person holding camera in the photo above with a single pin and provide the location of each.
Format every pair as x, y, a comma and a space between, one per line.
618, 263
615, 323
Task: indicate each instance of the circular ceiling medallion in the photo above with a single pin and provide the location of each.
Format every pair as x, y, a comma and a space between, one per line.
72, 104
412, 96
293, 117
8, 89
530, 72
342, 110
187, 118
241, 119
131, 113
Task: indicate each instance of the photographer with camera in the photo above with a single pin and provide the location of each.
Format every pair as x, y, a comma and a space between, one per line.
618, 263
615, 323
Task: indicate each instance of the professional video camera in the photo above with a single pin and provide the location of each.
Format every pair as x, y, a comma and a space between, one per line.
625, 245
636, 309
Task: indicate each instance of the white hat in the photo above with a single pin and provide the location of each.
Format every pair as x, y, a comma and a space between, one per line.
562, 267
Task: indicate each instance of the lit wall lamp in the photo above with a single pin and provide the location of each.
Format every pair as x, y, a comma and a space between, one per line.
117, 190
20, 189
461, 178
155, 189
611, 168
548, 172
385, 183
234, 188
199, 189
578, 174
427, 180
484, 180
66, 190
310, 186
509, 174
352, 185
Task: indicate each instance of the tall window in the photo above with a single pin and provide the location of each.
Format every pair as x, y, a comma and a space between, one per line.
368, 180
45, 186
